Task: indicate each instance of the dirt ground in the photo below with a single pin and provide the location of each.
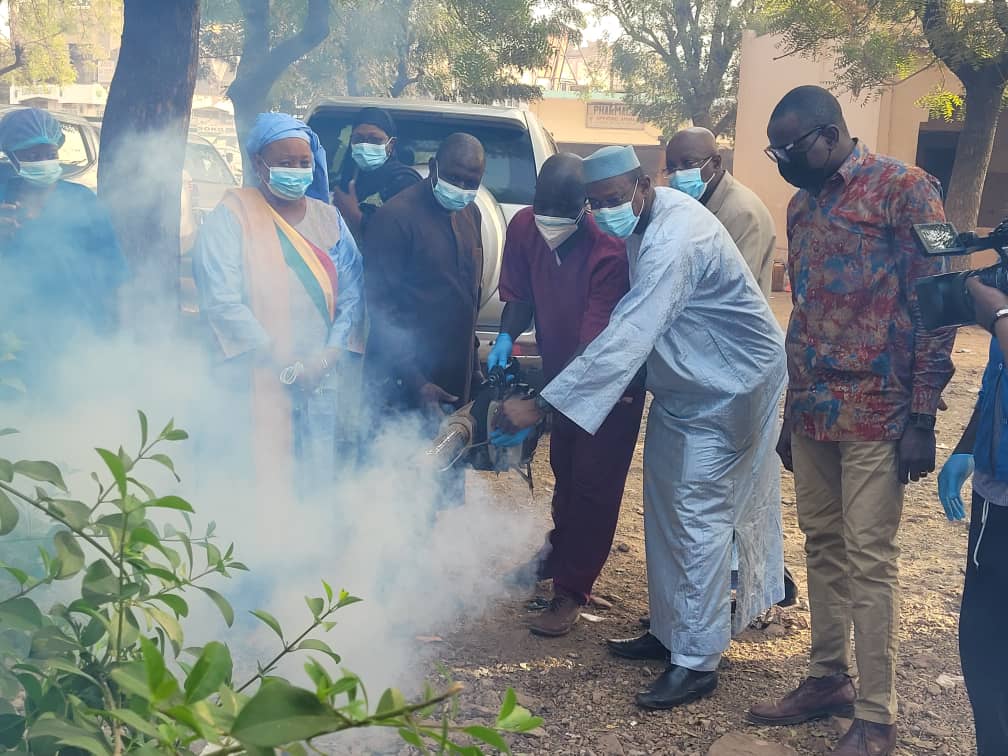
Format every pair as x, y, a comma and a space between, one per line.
586, 696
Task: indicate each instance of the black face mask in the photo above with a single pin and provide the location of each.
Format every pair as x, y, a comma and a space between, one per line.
800, 174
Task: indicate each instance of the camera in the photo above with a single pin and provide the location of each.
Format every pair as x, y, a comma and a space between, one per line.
944, 300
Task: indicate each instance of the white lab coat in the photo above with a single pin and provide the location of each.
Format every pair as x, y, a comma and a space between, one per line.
716, 367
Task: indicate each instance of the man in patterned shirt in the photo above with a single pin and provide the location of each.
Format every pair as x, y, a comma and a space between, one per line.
865, 382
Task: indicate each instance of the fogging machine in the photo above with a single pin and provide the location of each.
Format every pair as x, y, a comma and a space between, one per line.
464, 436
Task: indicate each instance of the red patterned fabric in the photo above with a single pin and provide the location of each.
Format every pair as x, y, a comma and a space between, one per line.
858, 363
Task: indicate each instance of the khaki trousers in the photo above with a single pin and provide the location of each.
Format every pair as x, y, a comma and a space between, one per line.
849, 502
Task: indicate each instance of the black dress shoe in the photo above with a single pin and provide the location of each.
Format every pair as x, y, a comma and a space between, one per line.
790, 590
644, 648
677, 686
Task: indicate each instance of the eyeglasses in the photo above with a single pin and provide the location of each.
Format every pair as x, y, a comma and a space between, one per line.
777, 154
688, 166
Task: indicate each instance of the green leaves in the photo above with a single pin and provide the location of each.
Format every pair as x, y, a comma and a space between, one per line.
212, 669
269, 620
44, 472
313, 644
222, 604
170, 502
128, 614
279, 714
9, 515
115, 465
515, 718
100, 583
69, 553
20, 614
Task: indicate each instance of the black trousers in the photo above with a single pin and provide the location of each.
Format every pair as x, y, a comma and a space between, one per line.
983, 620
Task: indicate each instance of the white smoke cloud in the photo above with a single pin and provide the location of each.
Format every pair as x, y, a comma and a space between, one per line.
376, 531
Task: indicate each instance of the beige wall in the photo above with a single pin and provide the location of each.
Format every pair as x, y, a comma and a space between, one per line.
567, 117
888, 123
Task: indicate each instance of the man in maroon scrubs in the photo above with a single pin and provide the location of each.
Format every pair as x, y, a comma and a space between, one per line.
561, 269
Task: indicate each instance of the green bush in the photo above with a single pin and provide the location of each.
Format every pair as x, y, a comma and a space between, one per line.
91, 676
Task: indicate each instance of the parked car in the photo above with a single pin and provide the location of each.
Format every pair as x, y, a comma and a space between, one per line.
516, 146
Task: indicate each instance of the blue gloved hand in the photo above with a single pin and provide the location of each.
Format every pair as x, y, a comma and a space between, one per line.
500, 355
500, 438
951, 479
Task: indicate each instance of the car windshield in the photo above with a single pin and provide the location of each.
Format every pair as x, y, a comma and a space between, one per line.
510, 165
205, 164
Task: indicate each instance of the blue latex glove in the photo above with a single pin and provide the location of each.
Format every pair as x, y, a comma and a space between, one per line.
500, 438
500, 355
951, 479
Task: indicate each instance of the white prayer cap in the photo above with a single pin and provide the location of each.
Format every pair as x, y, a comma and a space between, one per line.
610, 161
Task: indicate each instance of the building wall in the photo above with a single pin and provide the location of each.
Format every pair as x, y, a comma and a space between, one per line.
889, 123
567, 118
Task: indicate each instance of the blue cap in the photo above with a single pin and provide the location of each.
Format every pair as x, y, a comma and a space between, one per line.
610, 161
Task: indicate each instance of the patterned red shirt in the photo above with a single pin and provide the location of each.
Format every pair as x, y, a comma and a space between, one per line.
858, 362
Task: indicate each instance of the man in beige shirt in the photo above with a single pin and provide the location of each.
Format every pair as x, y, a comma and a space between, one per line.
694, 166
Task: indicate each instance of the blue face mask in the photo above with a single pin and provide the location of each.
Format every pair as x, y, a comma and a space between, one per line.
451, 197
619, 221
290, 183
41, 172
689, 182
369, 156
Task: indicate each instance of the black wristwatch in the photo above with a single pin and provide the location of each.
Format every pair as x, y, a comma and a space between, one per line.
924, 422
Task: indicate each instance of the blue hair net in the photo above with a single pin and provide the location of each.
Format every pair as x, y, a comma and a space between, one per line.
27, 127
271, 127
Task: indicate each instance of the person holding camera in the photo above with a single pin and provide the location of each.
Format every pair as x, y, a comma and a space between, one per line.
864, 387
983, 453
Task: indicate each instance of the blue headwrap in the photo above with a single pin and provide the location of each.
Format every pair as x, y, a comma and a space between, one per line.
270, 127
27, 127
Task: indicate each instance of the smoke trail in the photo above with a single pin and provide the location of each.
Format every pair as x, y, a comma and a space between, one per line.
376, 530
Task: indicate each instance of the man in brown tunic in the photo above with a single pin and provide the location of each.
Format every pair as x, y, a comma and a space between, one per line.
422, 285
694, 166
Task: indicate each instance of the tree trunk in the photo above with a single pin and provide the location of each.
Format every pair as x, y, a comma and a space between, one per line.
701, 116
260, 66
984, 90
142, 151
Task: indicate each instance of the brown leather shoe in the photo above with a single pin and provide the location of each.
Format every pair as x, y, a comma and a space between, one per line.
564, 610
815, 698
867, 739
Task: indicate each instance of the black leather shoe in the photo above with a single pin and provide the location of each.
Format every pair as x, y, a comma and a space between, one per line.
790, 590
644, 648
677, 686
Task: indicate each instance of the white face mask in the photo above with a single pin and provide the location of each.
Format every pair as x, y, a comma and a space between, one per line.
556, 230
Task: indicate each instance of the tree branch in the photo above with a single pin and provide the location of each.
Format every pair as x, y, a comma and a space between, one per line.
19, 61
265, 66
942, 39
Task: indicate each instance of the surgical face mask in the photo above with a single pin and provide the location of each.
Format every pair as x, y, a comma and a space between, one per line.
41, 172
451, 197
289, 183
688, 181
369, 156
556, 230
619, 221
